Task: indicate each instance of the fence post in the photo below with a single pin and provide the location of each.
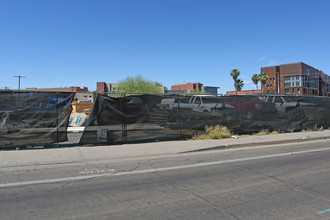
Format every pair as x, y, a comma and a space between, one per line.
57, 139
179, 115
124, 124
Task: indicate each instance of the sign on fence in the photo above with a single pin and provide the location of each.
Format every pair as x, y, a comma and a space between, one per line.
77, 119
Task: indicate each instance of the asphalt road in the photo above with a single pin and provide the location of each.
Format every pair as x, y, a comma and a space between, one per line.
271, 182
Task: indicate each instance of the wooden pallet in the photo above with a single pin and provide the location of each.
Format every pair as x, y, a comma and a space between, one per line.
159, 114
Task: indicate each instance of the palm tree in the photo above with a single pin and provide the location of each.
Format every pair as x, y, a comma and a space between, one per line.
255, 79
234, 73
263, 77
239, 85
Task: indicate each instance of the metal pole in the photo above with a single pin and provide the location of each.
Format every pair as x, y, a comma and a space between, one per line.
57, 139
19, 80
178, 97
19, 87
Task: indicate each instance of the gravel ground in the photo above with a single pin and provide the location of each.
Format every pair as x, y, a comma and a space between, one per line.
73, 138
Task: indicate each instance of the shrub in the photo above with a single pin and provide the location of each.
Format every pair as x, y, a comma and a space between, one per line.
265, 132
262, 132
213, 132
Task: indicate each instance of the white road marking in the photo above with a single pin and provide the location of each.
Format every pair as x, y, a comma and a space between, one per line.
95, 170
57, 180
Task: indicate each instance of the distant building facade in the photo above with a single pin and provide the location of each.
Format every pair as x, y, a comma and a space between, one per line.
62, 89
244, 92
197, 87
82, 94
213, 90
194, 87
296, 79
106, 87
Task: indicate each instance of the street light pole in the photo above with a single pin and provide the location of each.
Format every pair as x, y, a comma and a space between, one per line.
19, 80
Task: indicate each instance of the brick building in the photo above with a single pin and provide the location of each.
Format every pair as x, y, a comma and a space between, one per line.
243, 92
62, 89
296, 79
195, 87
106, 87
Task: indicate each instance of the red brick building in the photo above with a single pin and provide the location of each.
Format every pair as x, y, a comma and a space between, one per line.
62, 89
244, 92
197, 87
101, 87
296, 79
194, 87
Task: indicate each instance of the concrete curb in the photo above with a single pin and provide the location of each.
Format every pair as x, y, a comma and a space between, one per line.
259, 144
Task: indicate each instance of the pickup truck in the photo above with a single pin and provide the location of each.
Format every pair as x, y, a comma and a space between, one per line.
251, 106
285, 103
199, 103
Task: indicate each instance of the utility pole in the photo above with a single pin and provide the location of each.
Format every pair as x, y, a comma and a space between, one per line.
19, 80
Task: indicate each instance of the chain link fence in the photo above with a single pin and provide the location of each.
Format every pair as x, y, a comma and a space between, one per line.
32, 117
39, 118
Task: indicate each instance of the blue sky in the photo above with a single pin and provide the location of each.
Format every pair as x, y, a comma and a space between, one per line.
63, 43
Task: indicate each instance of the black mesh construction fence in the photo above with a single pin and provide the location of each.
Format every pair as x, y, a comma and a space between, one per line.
160, 117
34, 118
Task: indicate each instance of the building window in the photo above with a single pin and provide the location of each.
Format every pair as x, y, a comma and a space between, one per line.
287, 81
287, 91
313, 83
298, 80
294, 81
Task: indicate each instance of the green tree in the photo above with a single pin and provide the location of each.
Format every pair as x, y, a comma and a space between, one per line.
235, 73
239, 85
255, 79
138, 85
263, 77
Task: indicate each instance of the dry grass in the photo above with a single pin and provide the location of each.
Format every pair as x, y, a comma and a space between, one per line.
213, 132
266, 132
274, 132
262, 132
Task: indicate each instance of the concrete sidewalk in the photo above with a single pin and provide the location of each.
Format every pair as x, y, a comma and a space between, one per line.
97, 153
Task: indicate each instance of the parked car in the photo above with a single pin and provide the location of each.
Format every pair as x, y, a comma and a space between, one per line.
199, 103
285, 103
251, 106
